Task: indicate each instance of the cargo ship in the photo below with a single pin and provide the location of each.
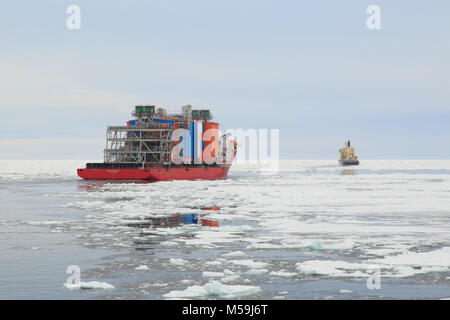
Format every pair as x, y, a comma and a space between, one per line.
347, 155
158, 146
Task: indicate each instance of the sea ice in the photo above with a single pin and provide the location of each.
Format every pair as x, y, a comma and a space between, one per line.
214, 289
255, 272
231, 278
249, 263
235, 255
90, 285
435, 258
142, 267
228, 272
331, 268
169, 243
283, 274
343, 291
178, 262
209, 274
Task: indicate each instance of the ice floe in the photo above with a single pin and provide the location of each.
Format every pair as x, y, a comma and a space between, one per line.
249, 263
344, 291
178, 261
231, 278
210, 274
142, 267
436, 258
283, 274
235, 255
400, 268
95, 285
255, 272
214, 289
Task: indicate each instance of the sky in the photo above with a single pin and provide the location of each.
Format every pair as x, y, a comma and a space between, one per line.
311, 69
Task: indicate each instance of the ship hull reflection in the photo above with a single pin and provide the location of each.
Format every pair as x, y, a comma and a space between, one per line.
175, 221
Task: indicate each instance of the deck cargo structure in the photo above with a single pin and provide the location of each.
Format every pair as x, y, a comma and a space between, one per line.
144, 149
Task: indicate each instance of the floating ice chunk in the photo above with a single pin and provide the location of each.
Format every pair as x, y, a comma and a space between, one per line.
383, 252
235, 254
255, 272
189, 292
214, 289
237, 229
317, 244
283, 274
169, 243
200, 243
249, 263
159, 284
90, 285
263, 245
228, 272
87, 205
343, 291
214, 263
47, 222
332, 268
209, 274
345, 244
186, 281
435, 258
231, 278
404, 265
178, 262
142, 267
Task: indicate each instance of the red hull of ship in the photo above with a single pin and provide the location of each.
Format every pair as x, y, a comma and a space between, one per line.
156, 174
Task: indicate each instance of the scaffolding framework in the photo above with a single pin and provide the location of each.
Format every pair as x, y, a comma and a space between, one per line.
138, 144
148, 140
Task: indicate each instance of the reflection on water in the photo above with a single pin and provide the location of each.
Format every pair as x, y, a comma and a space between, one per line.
146, 233
174, 221
148, 240
348, 172
214, 208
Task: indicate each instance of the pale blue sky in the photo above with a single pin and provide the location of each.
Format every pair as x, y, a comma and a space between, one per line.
310, 68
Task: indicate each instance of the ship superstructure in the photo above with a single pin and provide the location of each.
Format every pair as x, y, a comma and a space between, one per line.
147, 147
347, 155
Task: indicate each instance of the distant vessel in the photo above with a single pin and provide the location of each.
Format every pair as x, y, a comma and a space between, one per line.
347, 155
